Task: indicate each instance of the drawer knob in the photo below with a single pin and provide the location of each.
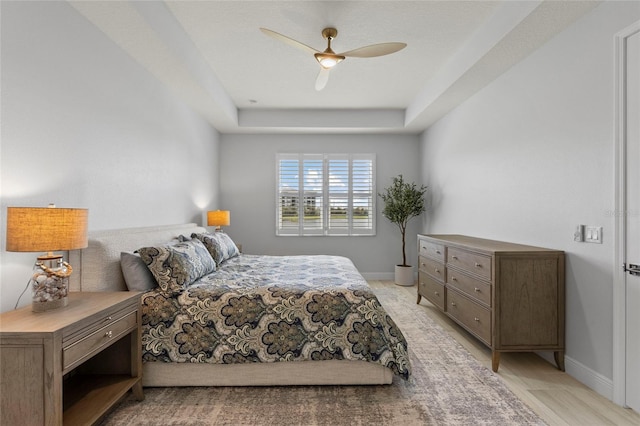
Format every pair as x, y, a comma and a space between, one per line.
108, 334
438, 252
476, 289
453, 303
454, 279
454, 257
436, 293
437, 270
478, 265
422, 264
476, 319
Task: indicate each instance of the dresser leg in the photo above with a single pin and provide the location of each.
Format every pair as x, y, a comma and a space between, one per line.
419, 299
559, 357
495, 361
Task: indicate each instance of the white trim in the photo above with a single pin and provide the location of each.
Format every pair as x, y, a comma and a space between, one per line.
591, 378
596, 381
619, 281
381, 276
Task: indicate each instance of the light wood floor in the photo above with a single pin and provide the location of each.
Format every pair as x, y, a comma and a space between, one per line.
555, 396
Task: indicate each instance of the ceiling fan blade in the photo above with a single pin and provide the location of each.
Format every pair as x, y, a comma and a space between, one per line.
323, 77
288, 40
375, 50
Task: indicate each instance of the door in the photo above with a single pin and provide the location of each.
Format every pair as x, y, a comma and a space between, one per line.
632, 220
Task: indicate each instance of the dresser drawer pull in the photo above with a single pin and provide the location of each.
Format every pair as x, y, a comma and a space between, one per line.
454, 257
453, 303
478, 265
437, 270
108, 334
476, 319
454, 279
436, 293
476, 289
438, 252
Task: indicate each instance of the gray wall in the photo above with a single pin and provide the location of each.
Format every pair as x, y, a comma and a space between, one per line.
83, 125
530, 157
248, 185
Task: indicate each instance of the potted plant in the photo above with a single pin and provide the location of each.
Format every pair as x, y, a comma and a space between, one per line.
403, 201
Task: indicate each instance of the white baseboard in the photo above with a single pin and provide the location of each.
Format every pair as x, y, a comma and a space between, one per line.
585, 375
386, 276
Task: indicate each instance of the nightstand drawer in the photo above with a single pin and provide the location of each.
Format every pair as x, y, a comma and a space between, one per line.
474, 288
433, 250
470, 315
477, 264
87, 346
431, 267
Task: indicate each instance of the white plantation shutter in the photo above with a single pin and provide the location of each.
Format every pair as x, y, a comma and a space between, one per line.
363, 195
325, 194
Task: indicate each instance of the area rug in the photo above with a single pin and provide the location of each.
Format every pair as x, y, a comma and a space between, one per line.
448, 386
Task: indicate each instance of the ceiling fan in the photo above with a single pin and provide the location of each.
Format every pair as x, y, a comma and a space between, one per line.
328, 58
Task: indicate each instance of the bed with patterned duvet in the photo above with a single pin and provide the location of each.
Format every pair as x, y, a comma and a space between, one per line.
214, 316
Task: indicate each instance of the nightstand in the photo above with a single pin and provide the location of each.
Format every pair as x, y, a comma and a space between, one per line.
72, 364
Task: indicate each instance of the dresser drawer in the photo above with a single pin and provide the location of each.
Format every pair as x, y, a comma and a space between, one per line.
474, 288
470, 315
433, 268
474, 263
431, 289
93, 342
431, 249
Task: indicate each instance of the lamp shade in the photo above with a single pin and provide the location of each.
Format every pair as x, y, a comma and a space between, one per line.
38, 229
218, 218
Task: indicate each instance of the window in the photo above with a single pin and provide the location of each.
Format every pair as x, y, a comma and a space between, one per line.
325, 194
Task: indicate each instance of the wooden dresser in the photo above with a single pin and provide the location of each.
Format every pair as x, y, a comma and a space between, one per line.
509, 296
70, 365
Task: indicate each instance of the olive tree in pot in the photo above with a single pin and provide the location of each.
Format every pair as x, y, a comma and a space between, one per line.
403, 201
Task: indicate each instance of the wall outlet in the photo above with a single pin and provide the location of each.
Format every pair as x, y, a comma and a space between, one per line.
578, 235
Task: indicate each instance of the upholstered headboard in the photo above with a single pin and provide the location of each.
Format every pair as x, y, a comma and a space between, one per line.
97, 267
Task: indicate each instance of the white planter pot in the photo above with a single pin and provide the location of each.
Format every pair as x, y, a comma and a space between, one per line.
404, 275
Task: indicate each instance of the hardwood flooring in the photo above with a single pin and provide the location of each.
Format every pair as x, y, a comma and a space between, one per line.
555, 396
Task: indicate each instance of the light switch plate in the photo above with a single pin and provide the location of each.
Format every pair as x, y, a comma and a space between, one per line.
593, 234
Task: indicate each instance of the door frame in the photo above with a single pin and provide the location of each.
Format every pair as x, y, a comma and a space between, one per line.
619, 277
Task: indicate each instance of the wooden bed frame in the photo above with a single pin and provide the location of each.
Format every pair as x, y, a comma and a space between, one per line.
97, 268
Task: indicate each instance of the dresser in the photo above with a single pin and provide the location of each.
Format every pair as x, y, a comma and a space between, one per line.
509, 296
70, 365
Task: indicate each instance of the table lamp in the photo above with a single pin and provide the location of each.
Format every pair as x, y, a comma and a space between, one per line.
47, 229
218, 218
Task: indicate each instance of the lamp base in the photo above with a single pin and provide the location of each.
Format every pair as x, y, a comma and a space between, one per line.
49, 305
49, 283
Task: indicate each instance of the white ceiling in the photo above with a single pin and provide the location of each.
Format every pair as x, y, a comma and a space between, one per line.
212, 55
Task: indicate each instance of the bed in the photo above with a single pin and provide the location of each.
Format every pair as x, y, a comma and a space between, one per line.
253, 321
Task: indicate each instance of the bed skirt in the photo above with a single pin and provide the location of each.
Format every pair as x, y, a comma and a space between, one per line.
330, 372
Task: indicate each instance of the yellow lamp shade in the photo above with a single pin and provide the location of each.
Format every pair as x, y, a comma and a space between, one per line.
218, 218
37, 229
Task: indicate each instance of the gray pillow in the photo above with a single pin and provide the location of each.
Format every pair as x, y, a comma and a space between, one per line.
136, 274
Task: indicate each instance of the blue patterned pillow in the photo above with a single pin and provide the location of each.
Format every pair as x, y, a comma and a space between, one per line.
176, 265
220, 246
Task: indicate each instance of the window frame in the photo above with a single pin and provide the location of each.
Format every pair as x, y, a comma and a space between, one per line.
301, 192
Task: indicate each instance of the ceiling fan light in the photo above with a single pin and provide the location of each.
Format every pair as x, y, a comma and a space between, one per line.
327, 60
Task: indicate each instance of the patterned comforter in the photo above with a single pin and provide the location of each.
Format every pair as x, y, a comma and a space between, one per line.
272, 309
